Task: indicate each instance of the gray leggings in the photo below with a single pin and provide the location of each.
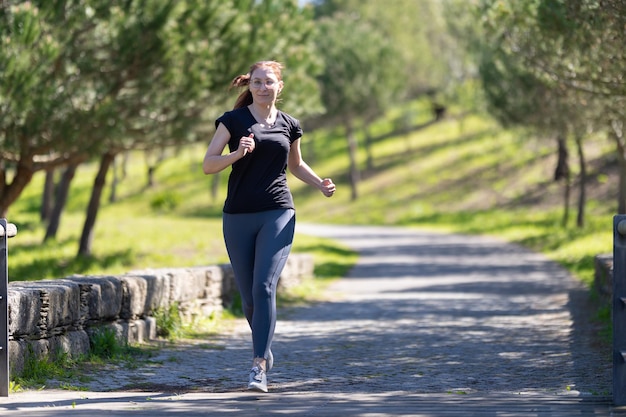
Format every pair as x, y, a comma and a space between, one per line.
258, 245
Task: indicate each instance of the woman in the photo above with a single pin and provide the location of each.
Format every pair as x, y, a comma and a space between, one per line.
259, 214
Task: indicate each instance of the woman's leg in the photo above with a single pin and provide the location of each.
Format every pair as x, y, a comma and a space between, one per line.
273, 246
240, 231
258, 245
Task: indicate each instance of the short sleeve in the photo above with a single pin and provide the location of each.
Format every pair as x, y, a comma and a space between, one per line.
225, 119
295, 129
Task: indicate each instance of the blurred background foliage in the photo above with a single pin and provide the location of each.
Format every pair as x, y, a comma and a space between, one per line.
503, 117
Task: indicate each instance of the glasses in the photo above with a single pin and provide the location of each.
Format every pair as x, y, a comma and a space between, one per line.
267, 83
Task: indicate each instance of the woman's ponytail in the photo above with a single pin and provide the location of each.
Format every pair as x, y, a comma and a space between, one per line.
245, 98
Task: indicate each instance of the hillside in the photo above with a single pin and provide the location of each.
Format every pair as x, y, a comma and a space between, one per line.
462, 174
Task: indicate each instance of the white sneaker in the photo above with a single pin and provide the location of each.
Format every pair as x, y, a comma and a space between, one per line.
258, 380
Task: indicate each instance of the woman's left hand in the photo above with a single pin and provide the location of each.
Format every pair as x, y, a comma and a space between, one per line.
328, 187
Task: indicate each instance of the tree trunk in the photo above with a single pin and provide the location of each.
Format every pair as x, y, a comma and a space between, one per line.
582, 196
11, 192
151, 170
86, 239
562, 172
368, 148
47, 196
62, 191
153, 165
354, 169
125, 160
567, 191
114, 182
309, 149
617, 133
215, 186
3, 176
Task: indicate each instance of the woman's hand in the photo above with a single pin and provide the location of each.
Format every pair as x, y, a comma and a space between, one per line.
327, 187
246, 144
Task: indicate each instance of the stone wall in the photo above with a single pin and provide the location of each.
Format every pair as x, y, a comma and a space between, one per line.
603, 276
47, 317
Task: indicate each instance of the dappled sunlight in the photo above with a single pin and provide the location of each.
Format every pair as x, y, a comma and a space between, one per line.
469, 313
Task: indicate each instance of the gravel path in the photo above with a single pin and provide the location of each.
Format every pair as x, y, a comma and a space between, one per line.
420, 314
426, 312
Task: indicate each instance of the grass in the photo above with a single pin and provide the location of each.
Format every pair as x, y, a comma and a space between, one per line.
71, 373
66, 371
169, 322
473, 177
464, 175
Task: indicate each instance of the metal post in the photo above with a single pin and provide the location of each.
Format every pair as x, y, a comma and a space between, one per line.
7, 230
619, 309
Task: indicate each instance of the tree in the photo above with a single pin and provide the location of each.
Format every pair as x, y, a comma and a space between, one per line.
518, 98
87, 79
549, 52
377, 54
34, 106
354, 84
181, 78
423, 55
579, 47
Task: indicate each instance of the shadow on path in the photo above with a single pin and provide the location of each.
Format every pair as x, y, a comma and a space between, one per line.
435, 313
426, 324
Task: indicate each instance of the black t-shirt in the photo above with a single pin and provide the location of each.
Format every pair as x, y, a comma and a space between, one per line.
258, 181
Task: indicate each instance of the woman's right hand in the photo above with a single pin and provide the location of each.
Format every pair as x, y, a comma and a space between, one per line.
246, 144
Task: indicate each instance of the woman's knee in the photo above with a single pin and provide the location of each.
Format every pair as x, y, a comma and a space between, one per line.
263, 291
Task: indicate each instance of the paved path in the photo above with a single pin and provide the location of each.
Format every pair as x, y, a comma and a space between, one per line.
426, 324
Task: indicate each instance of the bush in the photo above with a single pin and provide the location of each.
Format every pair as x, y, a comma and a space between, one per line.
169, 322
105, 344
165, 201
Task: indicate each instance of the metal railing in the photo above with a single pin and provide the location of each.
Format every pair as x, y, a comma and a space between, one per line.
7, 230
619, 309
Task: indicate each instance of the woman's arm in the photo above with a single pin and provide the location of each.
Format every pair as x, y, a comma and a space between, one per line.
304, 173
214, 161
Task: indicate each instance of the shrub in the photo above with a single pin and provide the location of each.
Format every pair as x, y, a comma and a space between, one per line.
165, 201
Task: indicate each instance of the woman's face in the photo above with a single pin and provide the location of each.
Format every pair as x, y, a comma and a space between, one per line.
264, 86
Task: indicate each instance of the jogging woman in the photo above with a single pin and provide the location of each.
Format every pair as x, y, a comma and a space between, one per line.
259, 214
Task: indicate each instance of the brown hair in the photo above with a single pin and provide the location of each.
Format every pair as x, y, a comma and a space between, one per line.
245, 98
